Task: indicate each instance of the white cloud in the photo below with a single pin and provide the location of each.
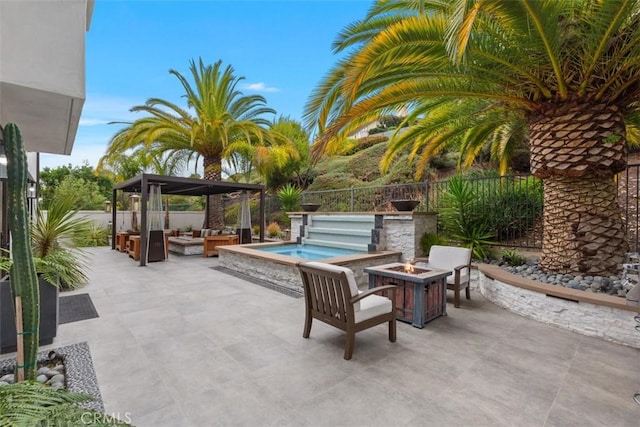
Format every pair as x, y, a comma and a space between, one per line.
102, 109
92, 122
260, 87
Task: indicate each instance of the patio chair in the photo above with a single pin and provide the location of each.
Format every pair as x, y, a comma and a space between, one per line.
332, 296
458, 261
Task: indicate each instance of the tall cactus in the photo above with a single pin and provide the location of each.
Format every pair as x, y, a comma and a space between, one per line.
24, 281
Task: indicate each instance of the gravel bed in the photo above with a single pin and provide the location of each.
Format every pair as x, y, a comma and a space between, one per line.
69, 366
610, 285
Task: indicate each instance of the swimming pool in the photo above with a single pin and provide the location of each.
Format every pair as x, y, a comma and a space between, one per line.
309, 252
276, 263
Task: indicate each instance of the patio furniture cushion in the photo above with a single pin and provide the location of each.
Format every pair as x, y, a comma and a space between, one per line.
332, 296
458, 261
372, 306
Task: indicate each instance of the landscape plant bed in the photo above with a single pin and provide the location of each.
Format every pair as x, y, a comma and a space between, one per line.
610, 285
79, 375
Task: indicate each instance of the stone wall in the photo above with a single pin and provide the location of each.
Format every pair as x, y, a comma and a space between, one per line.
403, 232
609, 323
283, 275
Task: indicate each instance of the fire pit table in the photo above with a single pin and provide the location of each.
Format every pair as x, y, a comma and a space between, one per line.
422, 293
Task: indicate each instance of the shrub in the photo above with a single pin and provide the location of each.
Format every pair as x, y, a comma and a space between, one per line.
255, 230
273, 230
93, 235
489, 209
429, 239
513, 258
352, 147
460, 219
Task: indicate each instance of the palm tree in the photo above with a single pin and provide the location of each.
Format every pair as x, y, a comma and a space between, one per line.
279, 150
217, 114
565, 71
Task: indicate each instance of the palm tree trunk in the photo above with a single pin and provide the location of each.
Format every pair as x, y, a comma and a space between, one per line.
583, 228
213, 171
577, 149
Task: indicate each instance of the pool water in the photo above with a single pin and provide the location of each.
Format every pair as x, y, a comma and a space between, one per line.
309, 252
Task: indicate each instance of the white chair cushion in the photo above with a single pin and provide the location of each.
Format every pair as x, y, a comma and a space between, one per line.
372, 306
464, 278
353, 286
448, 257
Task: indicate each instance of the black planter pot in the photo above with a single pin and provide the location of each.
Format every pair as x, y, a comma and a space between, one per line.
405, 205
310, 207
48, 316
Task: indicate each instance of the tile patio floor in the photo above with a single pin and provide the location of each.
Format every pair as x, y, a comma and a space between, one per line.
180, 344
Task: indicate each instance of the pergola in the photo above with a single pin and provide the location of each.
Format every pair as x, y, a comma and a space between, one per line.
178, 186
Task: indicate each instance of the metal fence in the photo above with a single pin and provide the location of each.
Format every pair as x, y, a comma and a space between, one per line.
367, 199
515, 202
509, 207
628, 193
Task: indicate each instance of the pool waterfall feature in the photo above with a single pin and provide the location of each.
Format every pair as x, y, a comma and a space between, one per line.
378, 238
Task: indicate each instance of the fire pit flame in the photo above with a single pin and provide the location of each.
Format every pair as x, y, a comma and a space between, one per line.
408, 268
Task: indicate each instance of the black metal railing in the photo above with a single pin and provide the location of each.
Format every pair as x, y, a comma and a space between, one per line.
628, 197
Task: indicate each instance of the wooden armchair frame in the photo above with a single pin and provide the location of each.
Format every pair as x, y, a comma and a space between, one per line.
329, 298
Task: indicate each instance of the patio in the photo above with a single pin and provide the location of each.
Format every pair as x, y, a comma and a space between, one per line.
178, 343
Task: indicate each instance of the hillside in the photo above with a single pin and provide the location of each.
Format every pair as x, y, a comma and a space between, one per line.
363, 169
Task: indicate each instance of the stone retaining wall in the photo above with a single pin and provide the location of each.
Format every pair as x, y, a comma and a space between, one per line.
609, 323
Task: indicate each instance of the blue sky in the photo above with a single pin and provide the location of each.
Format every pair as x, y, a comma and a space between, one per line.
282, 48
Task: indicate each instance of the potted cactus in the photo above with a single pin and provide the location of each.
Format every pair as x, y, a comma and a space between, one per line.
34, 245
57, 266
24, 281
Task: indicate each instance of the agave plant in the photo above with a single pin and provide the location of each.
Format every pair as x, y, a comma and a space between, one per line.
289, 196
460, 220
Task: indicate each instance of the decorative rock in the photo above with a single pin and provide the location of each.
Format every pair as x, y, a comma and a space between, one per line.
43, 370
41, 378
611, 285
56, 379
3, 383
7, 378
57, 385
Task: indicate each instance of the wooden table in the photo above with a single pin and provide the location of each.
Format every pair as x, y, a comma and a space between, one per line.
422, 295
